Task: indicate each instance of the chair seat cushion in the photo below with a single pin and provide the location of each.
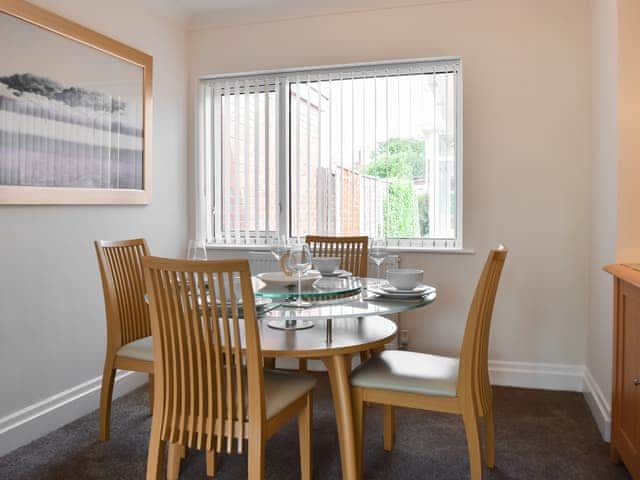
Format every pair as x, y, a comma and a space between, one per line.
281, 389
141, 349
410, 372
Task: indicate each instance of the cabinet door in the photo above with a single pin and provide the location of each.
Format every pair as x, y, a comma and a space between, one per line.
629, 387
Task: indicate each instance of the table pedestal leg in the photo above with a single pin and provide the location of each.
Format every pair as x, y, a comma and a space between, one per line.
338, 367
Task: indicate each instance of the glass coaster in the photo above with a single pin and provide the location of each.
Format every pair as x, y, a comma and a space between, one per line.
279, 324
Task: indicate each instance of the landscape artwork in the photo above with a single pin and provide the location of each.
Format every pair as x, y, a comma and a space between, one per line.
71, 116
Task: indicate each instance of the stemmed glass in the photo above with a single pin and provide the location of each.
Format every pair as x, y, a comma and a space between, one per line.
279, 245
300, 261
197, 250
378, 253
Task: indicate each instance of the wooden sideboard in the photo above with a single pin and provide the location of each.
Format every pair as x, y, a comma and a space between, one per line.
625, 408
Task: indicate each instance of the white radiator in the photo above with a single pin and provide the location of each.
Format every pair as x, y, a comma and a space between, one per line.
261, 262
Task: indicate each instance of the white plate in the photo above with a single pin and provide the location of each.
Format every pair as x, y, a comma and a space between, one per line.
407, 295
337, 273
421, 289
279, 279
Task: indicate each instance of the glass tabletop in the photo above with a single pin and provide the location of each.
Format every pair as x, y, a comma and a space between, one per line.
323, 288
361, 304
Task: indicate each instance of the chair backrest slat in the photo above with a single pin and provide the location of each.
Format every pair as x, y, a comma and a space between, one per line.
207, 358
473, 378
123, 288
352, 251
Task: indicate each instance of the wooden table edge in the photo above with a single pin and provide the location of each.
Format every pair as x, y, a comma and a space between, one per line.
329, 351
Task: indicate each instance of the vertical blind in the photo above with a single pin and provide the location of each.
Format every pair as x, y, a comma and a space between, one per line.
370, 149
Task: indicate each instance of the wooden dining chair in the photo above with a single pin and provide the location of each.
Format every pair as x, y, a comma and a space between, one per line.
354, 259
211, 391
128, 329
352, 251
431, 382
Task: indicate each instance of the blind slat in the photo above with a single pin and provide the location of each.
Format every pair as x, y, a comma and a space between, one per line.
308, 132
267, 124
256, 165
296, 206
236, 161
245, 167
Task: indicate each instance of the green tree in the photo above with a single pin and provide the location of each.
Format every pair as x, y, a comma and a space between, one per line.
400, 160
399, 157
423, 213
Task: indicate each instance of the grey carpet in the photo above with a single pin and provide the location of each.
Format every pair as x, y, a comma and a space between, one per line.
540, 435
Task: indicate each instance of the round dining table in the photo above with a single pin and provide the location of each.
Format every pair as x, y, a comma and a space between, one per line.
342, 328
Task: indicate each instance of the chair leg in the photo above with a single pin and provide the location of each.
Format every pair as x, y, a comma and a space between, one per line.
269, 363
155, 457
389, 422
357, 406
364, 356
151, 388
470, 420
304, 434
490, 438
302, 365
256, 456
614, 455
173, 461
210, 457
106, 393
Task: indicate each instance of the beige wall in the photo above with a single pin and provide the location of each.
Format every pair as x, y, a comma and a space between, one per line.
52, 334
629, 131
527, 92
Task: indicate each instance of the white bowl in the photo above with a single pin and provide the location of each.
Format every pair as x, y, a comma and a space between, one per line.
279, 279
327, 264
405, 278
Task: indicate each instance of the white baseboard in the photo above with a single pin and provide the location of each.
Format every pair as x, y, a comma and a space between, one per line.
600, 408
43, 417
545, 376
38, 419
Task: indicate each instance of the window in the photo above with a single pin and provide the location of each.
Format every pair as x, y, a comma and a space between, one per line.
363, 149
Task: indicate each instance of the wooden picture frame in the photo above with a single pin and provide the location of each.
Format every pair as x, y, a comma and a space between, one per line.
80, 148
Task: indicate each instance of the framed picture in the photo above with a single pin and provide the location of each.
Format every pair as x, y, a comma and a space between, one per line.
75, 113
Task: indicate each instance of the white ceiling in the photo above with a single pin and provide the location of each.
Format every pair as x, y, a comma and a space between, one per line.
197, 14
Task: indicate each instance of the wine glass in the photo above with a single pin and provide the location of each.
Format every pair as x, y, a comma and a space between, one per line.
279, 246
197, 250
378, 253
299, 261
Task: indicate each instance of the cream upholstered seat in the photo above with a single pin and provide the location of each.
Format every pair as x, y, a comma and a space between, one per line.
281, 389
141, 349
408, 372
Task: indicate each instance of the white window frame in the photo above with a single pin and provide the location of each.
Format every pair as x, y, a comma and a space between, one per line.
204, 174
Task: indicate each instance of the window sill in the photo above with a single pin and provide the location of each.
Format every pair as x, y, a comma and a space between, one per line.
266, 248
446, 251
